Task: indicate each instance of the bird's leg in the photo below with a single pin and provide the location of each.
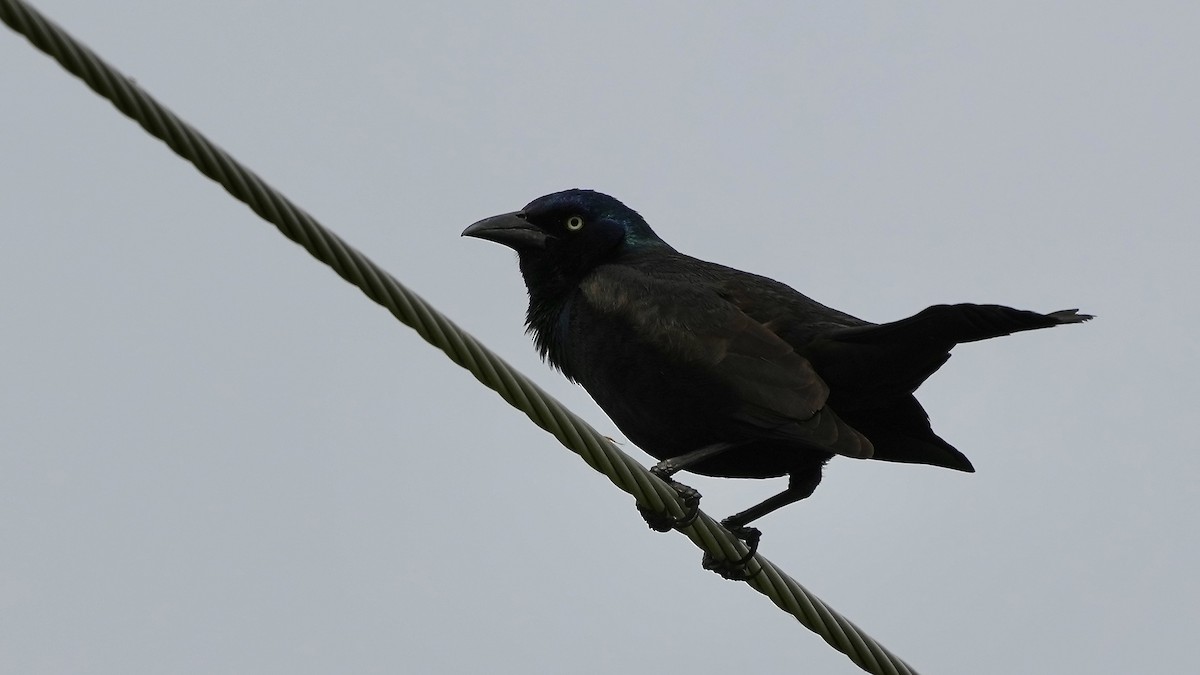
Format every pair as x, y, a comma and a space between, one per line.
673, 465
800, 486
662, 522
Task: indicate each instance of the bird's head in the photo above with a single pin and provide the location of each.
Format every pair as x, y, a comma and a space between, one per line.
562, 236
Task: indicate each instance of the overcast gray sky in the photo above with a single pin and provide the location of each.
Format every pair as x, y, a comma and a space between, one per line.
217, 457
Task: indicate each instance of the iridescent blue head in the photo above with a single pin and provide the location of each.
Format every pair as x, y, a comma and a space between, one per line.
562, 236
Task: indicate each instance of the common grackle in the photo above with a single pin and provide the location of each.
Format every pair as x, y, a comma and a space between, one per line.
722, 372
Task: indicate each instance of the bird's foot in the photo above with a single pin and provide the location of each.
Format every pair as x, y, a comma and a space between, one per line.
736, 570
664, 522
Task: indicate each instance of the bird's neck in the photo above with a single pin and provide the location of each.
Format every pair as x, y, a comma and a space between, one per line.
548, 323
553, 284
551, 289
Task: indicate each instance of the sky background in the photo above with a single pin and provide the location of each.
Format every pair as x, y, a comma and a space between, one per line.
218, 457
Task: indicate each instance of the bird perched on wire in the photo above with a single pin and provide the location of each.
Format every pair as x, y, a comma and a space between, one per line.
722, 372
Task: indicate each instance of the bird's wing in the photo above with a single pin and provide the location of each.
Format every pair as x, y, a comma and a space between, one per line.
778, 394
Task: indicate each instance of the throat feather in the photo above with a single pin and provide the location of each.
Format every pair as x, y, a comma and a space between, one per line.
549, 323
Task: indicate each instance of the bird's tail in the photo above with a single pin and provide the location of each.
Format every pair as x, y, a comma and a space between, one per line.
872, 364
900, 432
954, 324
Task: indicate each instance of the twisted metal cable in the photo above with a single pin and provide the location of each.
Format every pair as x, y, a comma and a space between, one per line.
595, 449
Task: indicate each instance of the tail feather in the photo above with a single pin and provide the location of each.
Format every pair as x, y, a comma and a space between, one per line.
872, 371
868, 365
955, 324
1070, 316
900, 432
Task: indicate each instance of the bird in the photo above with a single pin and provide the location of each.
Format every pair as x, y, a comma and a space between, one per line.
725, 373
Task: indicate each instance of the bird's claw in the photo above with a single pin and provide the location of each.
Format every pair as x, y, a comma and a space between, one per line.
664, 522
736, 570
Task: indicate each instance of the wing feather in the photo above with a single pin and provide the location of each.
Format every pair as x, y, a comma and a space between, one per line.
778, 392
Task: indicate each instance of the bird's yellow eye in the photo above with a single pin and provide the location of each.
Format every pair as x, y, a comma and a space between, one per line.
575, 223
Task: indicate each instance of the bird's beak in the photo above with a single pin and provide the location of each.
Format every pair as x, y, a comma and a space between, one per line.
510, 229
